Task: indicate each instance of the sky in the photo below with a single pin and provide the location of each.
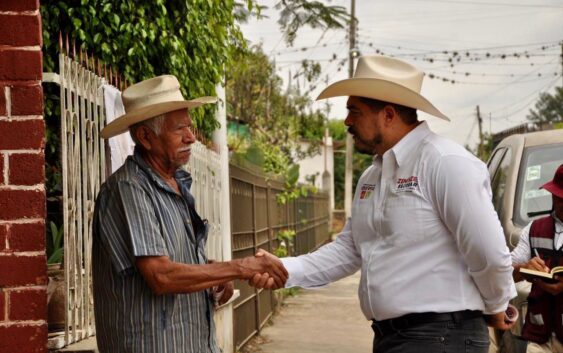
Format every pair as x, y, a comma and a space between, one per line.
504, 54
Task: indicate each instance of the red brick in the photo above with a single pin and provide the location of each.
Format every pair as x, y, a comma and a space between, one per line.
27, 100
2, 305
28, 304
26, 169
27, 237
26, 134
3, 237
24, 338
17, 204
19, 5
20, 65
1, 169
3, 110
22, 270
20, 30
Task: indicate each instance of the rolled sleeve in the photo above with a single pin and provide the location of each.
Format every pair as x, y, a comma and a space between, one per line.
130, 227
463, 199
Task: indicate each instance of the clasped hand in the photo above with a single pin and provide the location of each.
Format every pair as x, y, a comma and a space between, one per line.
265, 271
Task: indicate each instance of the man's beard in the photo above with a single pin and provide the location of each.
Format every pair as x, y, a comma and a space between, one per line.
366, 147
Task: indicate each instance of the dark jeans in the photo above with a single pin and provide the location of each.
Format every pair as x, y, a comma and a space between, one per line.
469, 336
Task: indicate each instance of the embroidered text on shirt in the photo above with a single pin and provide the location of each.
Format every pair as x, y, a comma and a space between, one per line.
407, 184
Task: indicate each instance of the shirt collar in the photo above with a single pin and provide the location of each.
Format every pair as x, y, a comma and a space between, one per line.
409, 142
182, 177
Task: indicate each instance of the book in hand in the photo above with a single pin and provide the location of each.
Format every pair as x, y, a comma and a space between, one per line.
549, 277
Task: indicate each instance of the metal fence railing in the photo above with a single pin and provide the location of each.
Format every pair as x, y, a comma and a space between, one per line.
256, 219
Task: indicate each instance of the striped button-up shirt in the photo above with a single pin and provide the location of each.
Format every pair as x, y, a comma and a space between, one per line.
138, 214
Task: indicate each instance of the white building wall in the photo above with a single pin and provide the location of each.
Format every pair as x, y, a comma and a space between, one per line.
315, 165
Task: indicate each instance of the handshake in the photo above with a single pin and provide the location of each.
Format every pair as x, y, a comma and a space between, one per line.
263, 270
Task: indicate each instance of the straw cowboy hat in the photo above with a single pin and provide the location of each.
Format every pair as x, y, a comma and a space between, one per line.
385, 79
150, 98
555, 186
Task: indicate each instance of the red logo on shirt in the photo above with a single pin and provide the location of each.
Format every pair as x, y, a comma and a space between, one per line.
366, 190
407, 184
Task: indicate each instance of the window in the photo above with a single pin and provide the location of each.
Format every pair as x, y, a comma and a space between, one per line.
498, 182
494, 161
538, 167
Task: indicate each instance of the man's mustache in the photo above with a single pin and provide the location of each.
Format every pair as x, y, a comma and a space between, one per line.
351, 131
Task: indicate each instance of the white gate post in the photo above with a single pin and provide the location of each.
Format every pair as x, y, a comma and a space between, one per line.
224, 317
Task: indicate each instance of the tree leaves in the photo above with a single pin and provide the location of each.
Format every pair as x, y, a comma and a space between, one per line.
548, 107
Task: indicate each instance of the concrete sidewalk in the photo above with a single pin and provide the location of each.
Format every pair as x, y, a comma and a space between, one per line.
322, 320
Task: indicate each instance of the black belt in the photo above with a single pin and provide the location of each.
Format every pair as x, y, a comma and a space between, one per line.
384, 327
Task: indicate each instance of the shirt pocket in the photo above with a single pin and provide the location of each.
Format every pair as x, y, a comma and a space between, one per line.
402, 222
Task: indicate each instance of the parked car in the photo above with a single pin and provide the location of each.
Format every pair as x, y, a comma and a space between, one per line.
518, 166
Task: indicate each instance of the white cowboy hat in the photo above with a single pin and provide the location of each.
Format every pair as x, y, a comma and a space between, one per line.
150, 98
385, 79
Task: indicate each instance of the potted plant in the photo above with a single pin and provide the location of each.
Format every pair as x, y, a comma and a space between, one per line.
55, 272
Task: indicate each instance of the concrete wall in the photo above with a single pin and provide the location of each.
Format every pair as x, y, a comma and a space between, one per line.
23, 272
315, 165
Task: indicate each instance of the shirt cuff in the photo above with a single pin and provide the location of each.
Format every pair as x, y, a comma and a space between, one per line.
294, 268
499, 308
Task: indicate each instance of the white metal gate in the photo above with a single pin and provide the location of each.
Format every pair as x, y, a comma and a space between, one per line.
83, 161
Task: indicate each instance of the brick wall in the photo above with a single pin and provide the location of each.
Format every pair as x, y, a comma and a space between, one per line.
23, 277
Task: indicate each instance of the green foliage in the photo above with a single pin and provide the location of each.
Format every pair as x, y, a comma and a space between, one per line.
548, 108
296, 14
483, 152
286, 240
278, 119
192, 39
337, 130
55, 243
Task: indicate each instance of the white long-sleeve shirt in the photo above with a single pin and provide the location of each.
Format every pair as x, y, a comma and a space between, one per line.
522, 253
423, 232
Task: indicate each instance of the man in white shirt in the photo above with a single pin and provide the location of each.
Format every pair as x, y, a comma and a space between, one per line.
543, 327
423, 229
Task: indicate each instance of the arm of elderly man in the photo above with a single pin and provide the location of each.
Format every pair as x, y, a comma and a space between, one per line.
136, 237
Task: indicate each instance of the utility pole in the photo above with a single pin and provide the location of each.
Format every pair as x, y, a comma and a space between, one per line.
480, 124
562, 64
349, 140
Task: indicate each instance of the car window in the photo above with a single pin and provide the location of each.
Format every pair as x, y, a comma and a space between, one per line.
494, 161
498, 183
538, 167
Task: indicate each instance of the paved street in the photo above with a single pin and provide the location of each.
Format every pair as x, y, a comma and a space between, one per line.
323, 320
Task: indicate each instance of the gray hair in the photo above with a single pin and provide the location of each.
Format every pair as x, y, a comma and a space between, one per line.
155, 124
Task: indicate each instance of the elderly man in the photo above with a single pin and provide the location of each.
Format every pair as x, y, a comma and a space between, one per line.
153, 286
423, 231
540, 248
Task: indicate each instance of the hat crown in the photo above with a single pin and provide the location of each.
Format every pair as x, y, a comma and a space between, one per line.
389, 69
160, 89
558, 177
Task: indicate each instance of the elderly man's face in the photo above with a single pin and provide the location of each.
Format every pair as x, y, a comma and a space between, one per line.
363, 123
173, 145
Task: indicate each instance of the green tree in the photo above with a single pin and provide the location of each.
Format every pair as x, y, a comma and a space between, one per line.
548, 108
278, 118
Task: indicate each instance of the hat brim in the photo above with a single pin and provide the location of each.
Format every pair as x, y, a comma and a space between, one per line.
553, 188
122, 124
382, 90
